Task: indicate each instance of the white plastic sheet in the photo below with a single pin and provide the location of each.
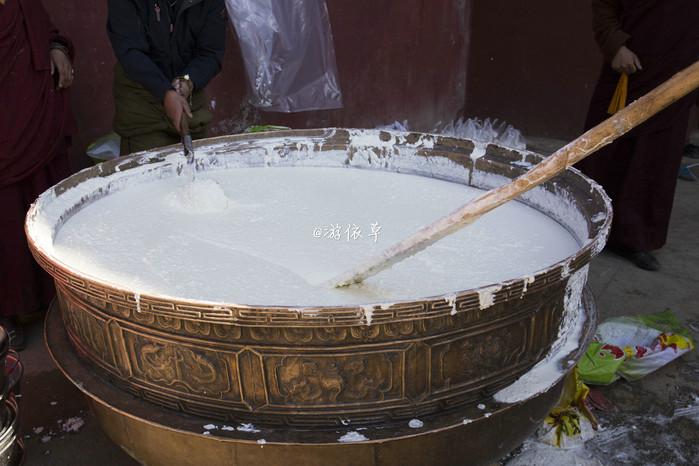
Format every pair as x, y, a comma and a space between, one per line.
288, 51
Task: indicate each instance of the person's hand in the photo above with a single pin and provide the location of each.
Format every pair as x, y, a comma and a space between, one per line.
176, 106
625, 61
184, 87
60, 63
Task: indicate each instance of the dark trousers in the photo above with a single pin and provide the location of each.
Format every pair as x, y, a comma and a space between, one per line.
25, 288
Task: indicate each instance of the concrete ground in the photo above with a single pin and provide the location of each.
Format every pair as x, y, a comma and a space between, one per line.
650, 422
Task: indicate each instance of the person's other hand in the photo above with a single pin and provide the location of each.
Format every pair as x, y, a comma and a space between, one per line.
60, 63
176, 106
183, 87
625, 61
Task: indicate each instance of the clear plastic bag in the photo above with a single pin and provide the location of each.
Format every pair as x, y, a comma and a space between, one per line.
105, 148
288, 52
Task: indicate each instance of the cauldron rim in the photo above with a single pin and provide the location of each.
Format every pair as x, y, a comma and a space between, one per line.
341, 315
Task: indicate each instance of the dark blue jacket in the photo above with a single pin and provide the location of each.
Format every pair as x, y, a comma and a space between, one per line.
153, 48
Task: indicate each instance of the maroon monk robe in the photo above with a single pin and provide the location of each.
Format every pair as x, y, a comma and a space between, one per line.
639, 171
35, 129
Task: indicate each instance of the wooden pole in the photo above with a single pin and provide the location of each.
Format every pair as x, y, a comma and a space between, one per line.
606, 132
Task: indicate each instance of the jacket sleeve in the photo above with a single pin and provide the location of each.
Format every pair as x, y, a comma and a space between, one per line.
210, 46
128, 37
606, 24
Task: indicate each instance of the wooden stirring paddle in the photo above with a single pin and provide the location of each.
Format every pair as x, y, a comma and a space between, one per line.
609, 130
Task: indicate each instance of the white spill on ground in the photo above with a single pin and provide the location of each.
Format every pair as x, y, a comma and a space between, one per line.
352, 436
73, 424
619, 444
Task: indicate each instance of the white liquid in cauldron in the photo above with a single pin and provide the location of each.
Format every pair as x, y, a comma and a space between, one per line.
279, 234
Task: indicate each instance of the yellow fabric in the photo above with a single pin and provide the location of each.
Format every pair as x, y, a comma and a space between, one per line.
679, 341
566, 416
620, 94
566, 421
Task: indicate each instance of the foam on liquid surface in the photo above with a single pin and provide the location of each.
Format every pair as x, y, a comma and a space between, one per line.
249, 236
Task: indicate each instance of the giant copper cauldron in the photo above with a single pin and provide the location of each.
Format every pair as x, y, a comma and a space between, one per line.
291, 371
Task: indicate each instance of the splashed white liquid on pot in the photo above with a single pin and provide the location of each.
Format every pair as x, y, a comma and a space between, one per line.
275, 236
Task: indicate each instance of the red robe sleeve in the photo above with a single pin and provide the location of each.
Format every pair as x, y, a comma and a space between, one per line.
606, 24
37, 121
41, 33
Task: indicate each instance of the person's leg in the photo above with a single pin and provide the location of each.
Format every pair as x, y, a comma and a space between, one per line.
691, 150
654, 192
25, 288
52, 173
644, 194
612, 169
19, 289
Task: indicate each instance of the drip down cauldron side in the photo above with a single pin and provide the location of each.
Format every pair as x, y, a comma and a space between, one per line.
157, 369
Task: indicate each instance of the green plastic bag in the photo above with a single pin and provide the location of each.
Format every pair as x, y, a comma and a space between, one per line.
600, 363
265, 128
632, 347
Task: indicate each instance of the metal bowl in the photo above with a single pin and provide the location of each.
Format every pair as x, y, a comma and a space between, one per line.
280, 366
11, 447
4, 350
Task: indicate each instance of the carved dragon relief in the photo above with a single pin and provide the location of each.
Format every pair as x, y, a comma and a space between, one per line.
181, 368
333, 380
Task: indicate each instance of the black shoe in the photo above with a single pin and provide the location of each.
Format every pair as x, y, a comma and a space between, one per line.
15, 331
642, 259
691, 151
